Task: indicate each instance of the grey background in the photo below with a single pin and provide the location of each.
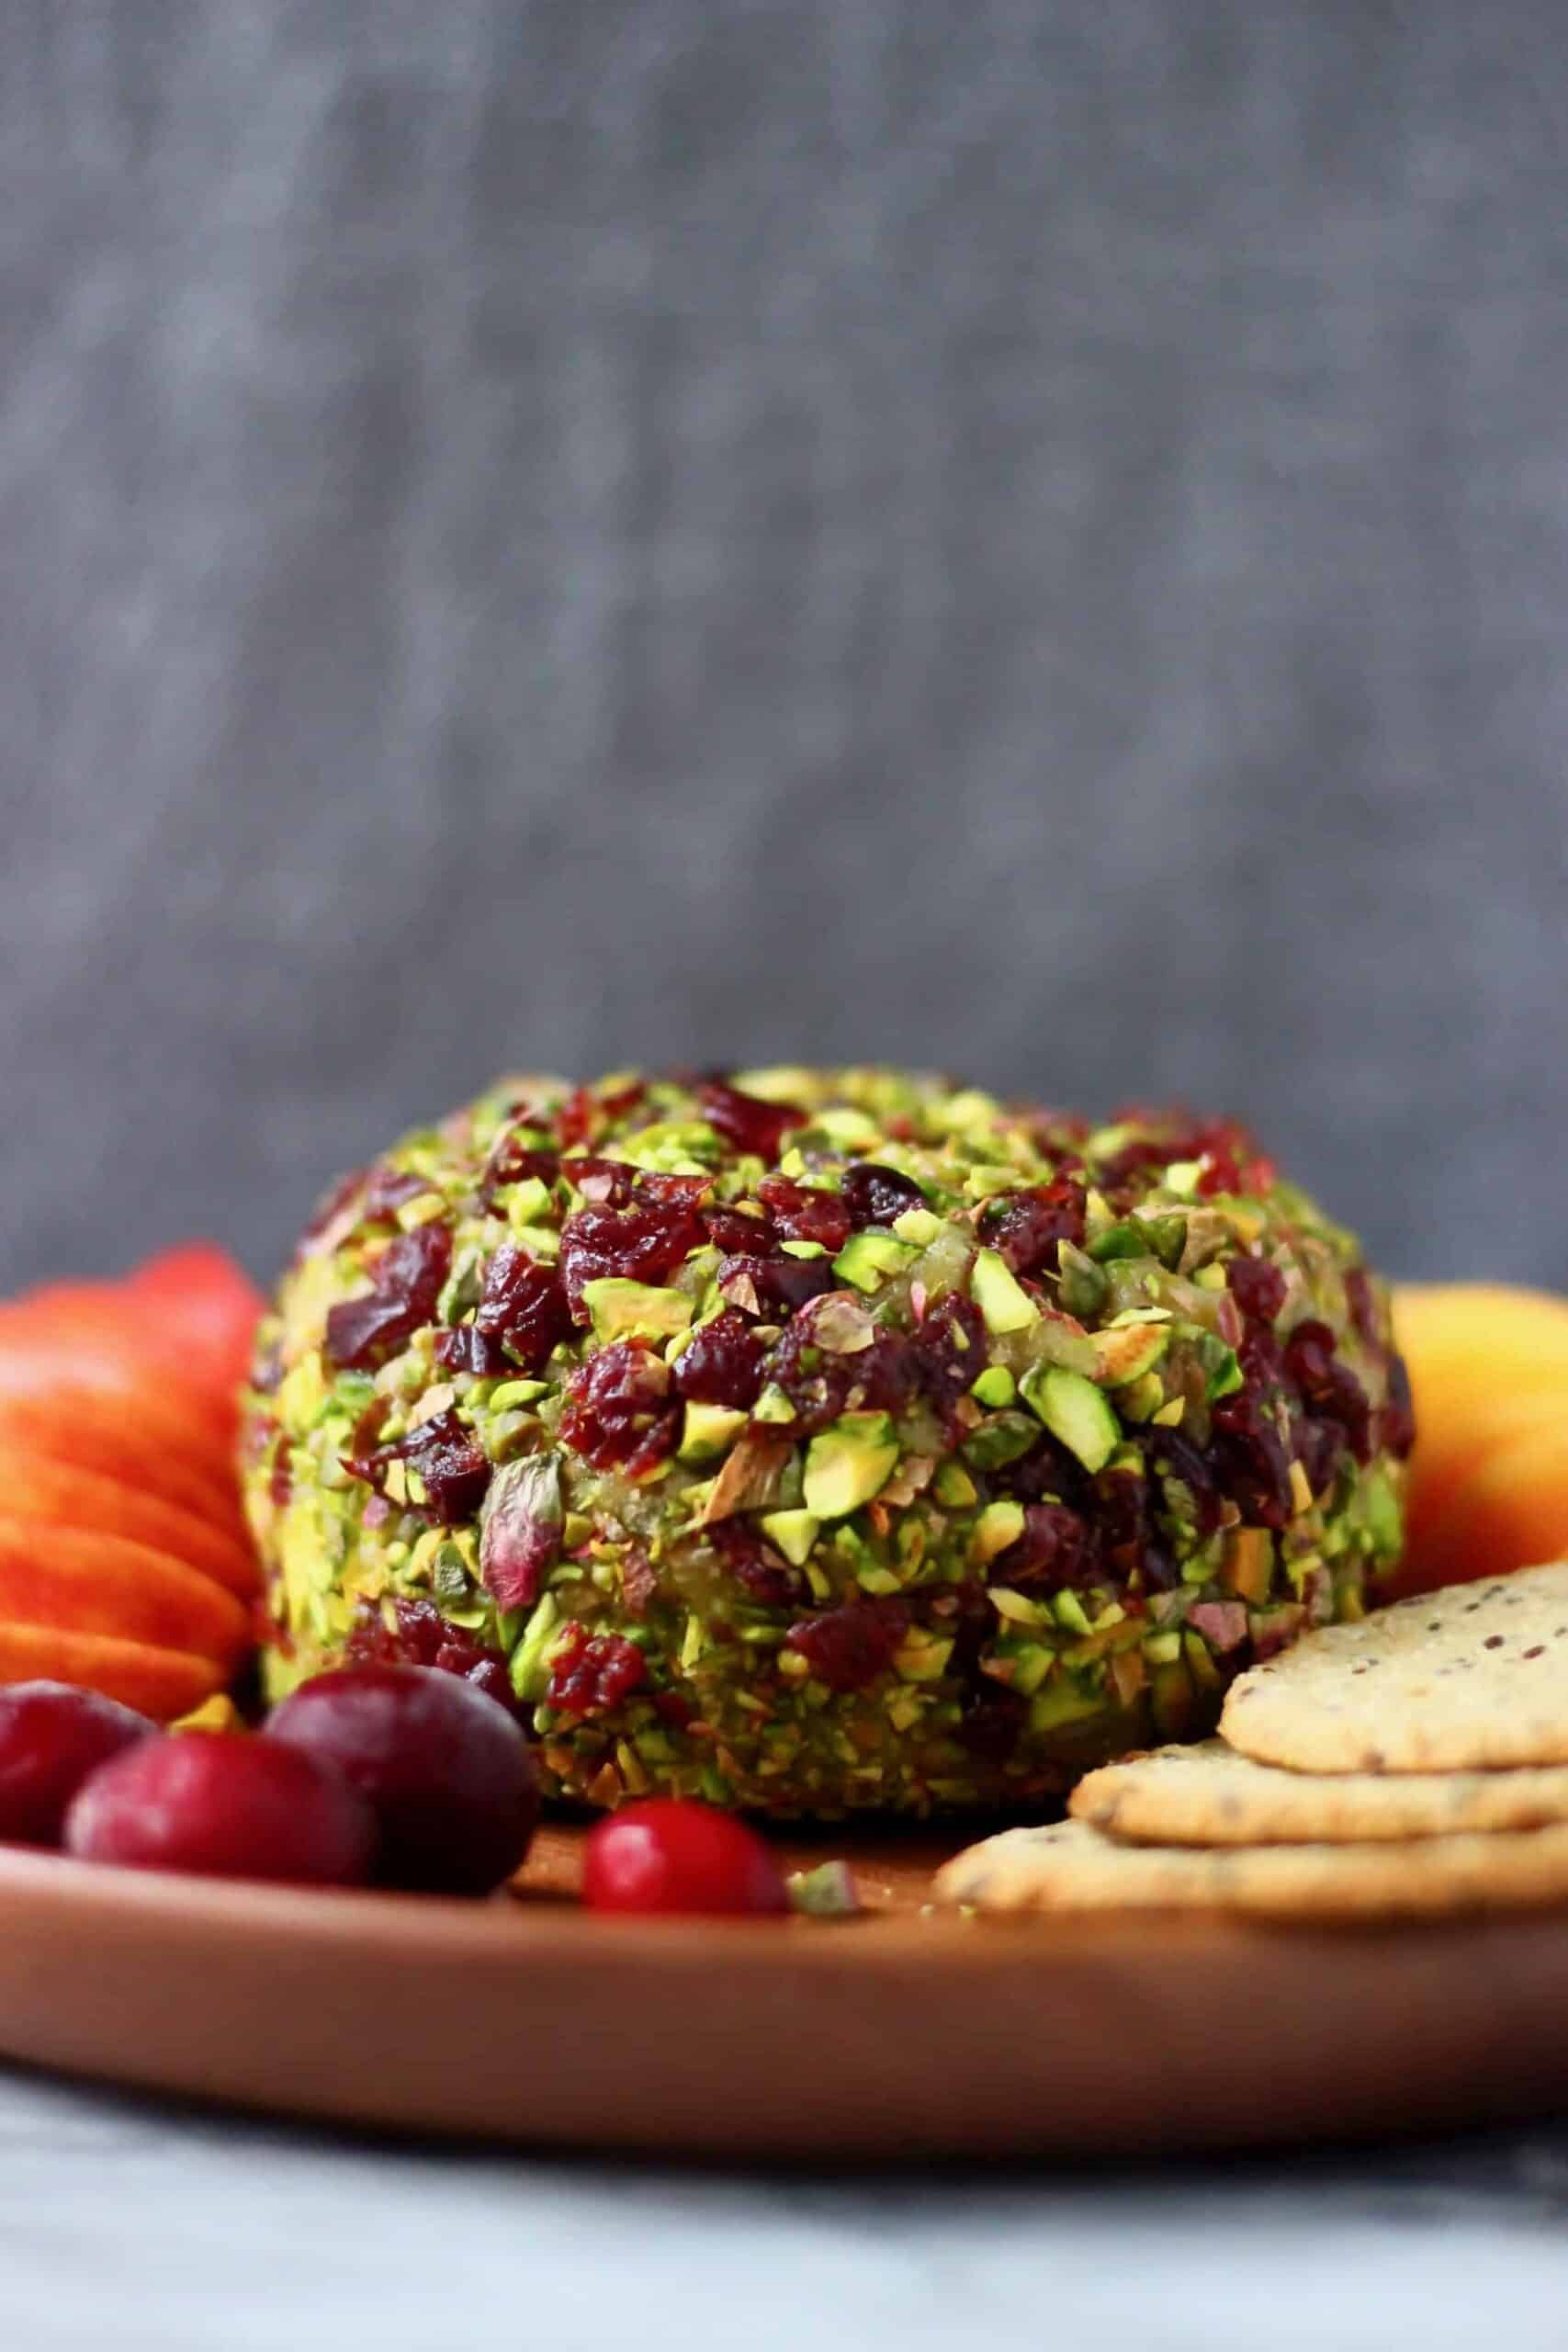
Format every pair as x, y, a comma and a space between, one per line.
1028, 537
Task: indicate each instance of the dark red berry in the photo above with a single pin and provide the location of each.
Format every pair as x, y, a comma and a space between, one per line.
1028, 1228
387, 1189
524, 1307
420, 1635
722, 1363
671, 1855
949, 1350
463, 1349
850, 1646
877, 1196
228, 1805
807, 1212
51, 1736
513, 1159
1257, 1286
591, 1673
763, 1574
779, 1286
446, 1772
732, 1232
645, 1242
821, 1383
447, 1456
746, 1121
409, 1277
623, 1412
1056, 1550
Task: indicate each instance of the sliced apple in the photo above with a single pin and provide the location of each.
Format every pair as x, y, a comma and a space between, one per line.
39, 1354
33, 1488
87, 1583
1510, 1512
205, 1302
128, 1438
160, 1683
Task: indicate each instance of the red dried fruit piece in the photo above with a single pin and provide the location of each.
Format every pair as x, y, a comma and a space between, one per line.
448, 1457
591, 1673
1056, 1550
821, 1385
409, 1276
1028, 1228
1330, 1389
387, 1188
730, 1230
745, 1120
806, 1213
850, 1646
466, 1349
669, 1854
524, 1307
446, 1772
722, 1363
779, 1286
877, 1196
225, 1804
422, 1636
623, 1413
645, 1242
513, 1159
950, 1349
1257, 1286
763, 1574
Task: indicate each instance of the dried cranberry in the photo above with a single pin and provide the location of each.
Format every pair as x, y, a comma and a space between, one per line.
1398, 1426
950, 1349
604, 1183
728, 1231
523, 1305
807, 1212
422, 1636
623, 1413
1257, 1286
1177, 1458
821, 1383
1120, 1504
446, 1457
745, 1120
1249, 1462
647, 1242
331, 1208
722, 1364
1057, 1549
1028, 1228
465, 1348
409, 1276
514, 1161
878, 1196
1331, 1390
577, 1119
387, 1188
761, 1572
1318, 1446
593, 1672
779, 1284
850, 1646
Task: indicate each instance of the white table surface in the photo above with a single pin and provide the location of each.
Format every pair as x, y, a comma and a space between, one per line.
126, 2226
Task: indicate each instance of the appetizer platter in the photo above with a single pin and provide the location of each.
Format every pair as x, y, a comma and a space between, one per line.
792, 1612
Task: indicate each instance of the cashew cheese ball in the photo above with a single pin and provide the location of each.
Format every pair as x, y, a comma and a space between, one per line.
817, 1441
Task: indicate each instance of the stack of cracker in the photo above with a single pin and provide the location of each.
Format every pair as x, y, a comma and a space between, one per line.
1410, 1765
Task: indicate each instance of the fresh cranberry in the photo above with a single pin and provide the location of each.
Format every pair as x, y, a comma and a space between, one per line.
849, 1646
821, 1383
51, 1736
1056, 1550
1028, 1228
591, 1673
524, 1307
422, 1636
807, 1212
409, 1277
647, 1242
722, 1363
621, 1412
446, 1772
670, 1854
878, 1196
226, 1804
779, 1284
746, 1121
1258, 1287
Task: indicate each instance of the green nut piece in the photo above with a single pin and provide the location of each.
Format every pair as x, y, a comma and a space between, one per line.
1074, 1410
849, 1463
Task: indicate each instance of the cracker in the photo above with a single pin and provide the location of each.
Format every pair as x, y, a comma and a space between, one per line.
1208, 1796
1473, 1677
1066, 1867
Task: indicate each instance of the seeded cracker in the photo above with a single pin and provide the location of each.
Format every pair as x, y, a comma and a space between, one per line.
1208, 1796
1066, 1867
1475, 1677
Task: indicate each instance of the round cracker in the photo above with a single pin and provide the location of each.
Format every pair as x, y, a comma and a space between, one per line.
1473, 1677
1208, 1796
1066, 1866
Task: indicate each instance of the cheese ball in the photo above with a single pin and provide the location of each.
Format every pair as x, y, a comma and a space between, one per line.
822, 1441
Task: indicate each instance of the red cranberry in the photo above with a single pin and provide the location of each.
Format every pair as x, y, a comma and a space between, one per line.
647, 1242
757, 1569
850, 1646
422, 1636
821, 1383
409, 1277
1054, 1551
447, 1456
226, 1804
591, 1673
1176, 1456
1028, 1228
950, 1349
446, 1772
463, 1349
622, 1413
746, 1121
779, 1284
722, 1364
669, 1854
1249, 1462
1330, 1389
514, 1161
728, 1231
523, 1305
877, 1196
577, 1120
387, 1188
51, 1736
807, 1212
1257, 1286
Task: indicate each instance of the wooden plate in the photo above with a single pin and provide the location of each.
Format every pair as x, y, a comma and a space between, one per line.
900, 2035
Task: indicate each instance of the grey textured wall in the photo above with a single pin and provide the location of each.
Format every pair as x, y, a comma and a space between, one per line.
1031, 536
